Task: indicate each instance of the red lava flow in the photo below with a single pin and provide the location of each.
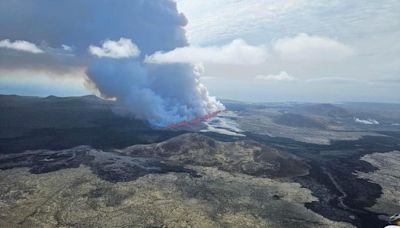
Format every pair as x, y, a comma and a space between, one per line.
196, 120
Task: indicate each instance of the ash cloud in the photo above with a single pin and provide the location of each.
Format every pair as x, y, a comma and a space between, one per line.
119, 34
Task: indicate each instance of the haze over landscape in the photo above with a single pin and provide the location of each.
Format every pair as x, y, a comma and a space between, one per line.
185, 113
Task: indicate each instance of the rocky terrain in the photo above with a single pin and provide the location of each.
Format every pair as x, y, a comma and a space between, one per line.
387, 176
247, 157
78, 198
309, 129
72, 162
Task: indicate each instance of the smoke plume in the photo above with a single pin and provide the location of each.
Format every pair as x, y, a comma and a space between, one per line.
111, 39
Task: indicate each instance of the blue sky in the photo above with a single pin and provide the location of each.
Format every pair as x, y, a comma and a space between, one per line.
251, 50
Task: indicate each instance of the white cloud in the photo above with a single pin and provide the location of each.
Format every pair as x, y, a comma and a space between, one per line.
20, 45
66, 47
123, 48
304, 47
281, 76
238, 52
221, 20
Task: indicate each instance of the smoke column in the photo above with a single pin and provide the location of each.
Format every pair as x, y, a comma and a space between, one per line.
161, 94
111, 39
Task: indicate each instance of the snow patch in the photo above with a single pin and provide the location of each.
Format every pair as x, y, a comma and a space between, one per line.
367, 121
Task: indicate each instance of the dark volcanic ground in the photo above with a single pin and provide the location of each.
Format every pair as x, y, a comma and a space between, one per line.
332, 177
47, 134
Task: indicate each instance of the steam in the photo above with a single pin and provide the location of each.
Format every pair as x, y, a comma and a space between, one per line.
161, 94
110, 39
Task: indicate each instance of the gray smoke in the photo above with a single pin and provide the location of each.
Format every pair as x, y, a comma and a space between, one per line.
159, 93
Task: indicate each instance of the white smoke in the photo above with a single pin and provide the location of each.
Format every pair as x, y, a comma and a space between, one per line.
161, 94
111, 40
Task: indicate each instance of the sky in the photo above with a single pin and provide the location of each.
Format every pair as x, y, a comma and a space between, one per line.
248, 50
